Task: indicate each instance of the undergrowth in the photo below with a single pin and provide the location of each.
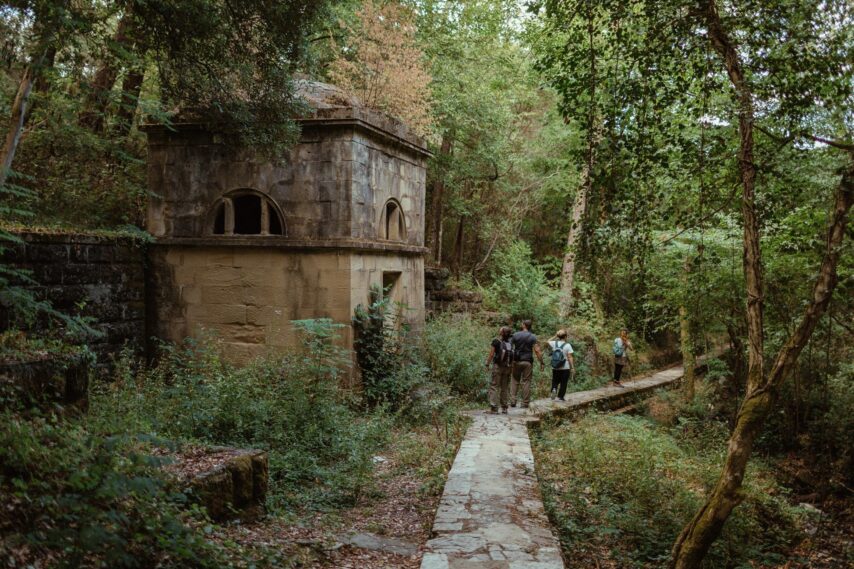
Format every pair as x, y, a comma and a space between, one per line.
89, 491
319, 445
624, 486
73, 498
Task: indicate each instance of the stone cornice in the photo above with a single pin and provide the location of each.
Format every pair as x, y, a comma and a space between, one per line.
273, 242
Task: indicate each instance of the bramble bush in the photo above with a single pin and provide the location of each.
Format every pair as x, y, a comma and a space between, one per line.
81, 500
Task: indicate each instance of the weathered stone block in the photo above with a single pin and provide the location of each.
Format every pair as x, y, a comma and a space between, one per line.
45, 383
214, 294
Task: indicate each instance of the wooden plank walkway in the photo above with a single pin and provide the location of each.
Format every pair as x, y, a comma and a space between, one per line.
491, 515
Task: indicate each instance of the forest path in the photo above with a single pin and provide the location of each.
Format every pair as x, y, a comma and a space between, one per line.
491, 515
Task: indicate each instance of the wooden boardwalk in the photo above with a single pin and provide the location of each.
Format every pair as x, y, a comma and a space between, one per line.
491, 515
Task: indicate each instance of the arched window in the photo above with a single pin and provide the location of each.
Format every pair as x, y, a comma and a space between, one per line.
393, 225
247, 212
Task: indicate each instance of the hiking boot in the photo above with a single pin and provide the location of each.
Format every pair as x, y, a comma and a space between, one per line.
561, 399
504, 410
513, 404
493, 410
554, 393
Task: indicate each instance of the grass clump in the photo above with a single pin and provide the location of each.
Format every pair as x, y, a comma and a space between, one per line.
623, 487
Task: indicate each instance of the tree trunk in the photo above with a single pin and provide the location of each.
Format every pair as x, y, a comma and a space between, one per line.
95, 107
693, 543
437, 203
458, 247
41, 84
579, 206
131, 87
20, 110
695, 540
686, 339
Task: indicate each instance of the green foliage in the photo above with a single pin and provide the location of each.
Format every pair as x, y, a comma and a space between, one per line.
520, 287
455, 348
319, 447
386, 351
99, 66
87, 501
617, 482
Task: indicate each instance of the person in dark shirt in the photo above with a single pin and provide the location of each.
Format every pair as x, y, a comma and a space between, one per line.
525, 347
500, 359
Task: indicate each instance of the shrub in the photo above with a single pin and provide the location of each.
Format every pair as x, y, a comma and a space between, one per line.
520, 287
388, 358
319, 447
87, 501
455, 348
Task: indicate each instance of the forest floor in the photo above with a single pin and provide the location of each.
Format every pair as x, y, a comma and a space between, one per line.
386, 527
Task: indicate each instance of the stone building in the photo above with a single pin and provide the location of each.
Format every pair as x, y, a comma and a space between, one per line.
245, 244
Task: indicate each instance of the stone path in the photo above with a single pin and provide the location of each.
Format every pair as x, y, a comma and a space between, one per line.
491, 515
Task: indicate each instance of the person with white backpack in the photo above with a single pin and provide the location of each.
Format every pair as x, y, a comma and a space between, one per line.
500, 359
562, 362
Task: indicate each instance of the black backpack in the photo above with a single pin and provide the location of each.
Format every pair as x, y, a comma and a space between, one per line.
504, 355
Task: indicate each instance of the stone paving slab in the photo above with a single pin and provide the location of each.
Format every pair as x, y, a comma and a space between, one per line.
491, 515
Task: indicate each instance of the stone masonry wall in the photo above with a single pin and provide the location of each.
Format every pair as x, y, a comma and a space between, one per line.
439, 297
87, 275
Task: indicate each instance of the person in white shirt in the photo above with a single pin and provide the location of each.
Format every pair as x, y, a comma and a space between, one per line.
562, 366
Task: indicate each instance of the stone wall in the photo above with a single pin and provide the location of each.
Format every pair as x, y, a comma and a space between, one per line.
248, 295
99, 277
332, 185
439, 297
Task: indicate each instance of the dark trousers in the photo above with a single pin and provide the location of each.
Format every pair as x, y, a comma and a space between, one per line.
618, 371
560, 377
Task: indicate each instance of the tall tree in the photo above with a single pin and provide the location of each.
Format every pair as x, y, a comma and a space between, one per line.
797, 81
384, 66
762, 388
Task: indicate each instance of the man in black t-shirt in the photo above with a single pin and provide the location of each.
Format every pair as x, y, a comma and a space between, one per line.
500, 359
525, 347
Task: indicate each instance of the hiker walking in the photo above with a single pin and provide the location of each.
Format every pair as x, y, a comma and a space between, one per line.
500, 359
622, 345
525, 347
562, 362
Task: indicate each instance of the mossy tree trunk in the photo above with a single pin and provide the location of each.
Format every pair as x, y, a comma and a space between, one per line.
762, 390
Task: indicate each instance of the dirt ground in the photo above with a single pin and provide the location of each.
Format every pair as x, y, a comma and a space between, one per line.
396, 511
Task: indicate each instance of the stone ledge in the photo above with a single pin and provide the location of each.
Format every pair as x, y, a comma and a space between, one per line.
299, 244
